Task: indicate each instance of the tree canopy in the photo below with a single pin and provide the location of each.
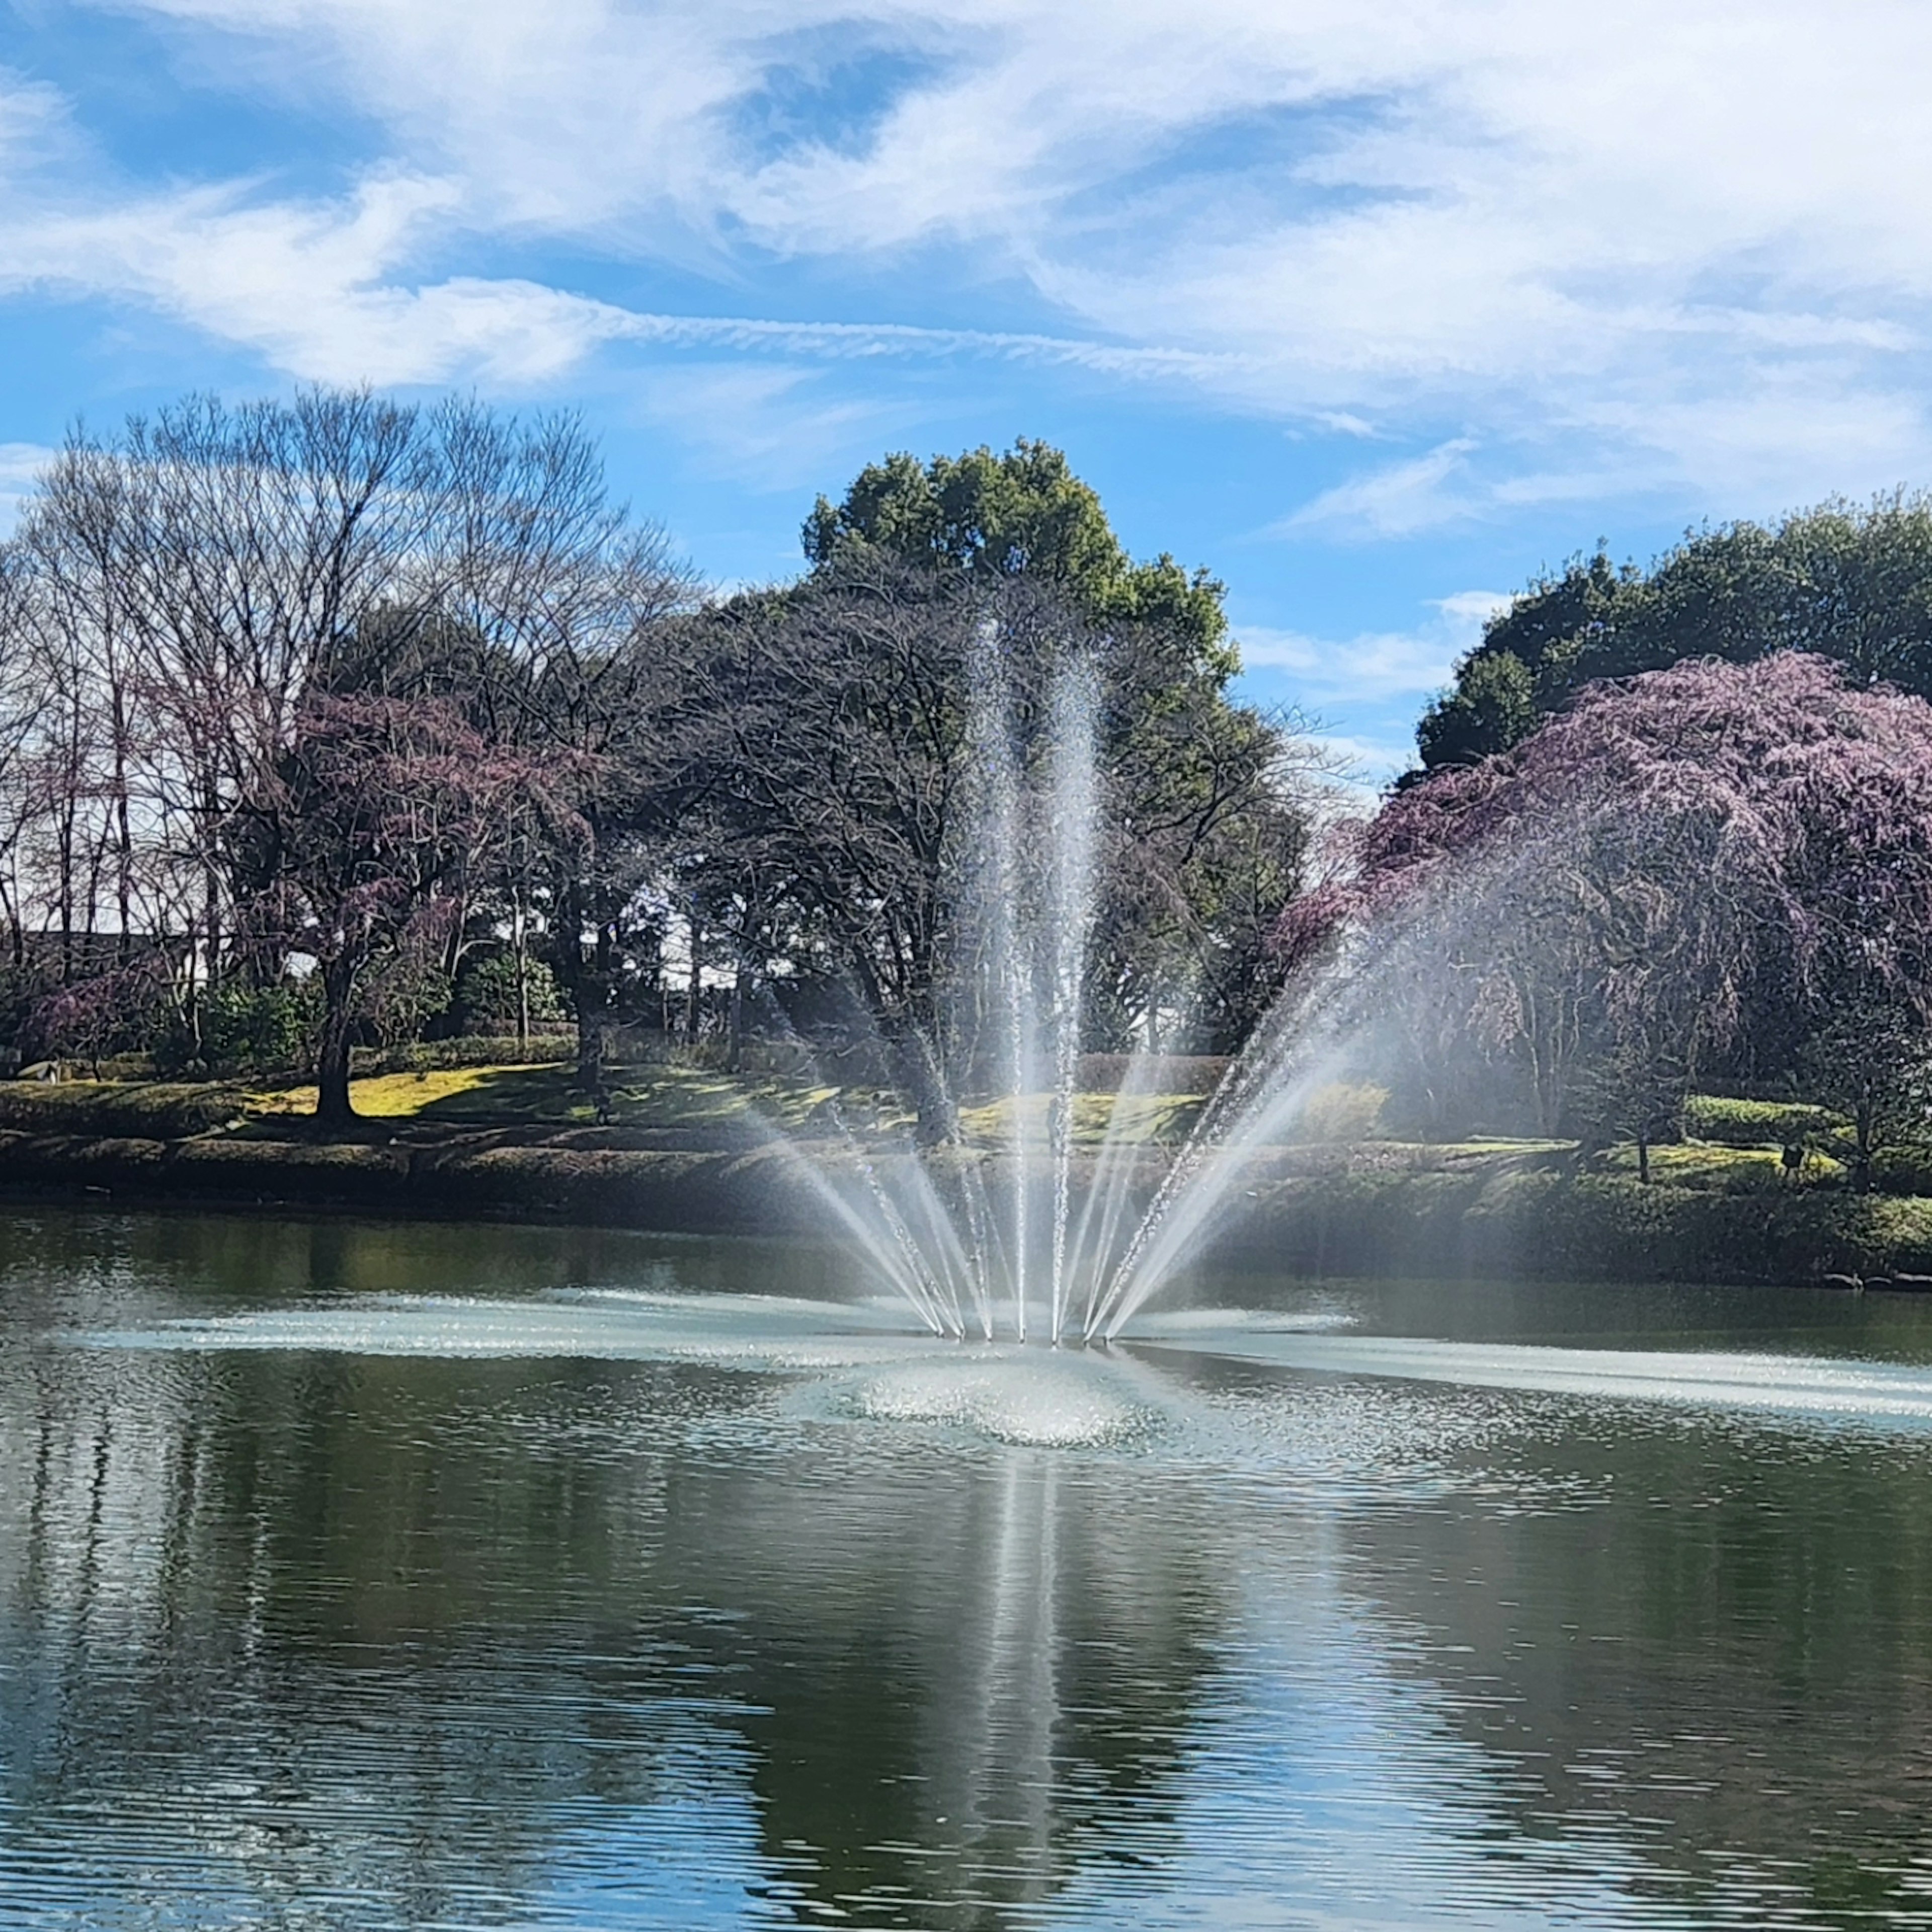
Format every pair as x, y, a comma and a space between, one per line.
378, 693
1020, 512
1850, 583
829, 732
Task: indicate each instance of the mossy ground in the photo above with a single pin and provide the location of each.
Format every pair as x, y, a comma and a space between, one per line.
660, 1096
1710, 1167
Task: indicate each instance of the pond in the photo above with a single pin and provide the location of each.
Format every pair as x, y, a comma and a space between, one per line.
358, 1575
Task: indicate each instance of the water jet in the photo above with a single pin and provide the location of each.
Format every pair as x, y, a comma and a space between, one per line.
1035, 1240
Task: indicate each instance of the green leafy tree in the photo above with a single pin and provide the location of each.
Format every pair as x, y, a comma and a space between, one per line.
1851, 583
1020, 512
1208, 790
1491, 708
261, 1029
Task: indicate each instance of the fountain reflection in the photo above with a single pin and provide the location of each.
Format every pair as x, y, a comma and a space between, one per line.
524, 1623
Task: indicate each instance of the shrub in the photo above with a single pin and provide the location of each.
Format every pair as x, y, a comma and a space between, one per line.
1340, 1112
146, 1110
1710, 1116
1902, 1169
434, 1056
486, 994
260, 1029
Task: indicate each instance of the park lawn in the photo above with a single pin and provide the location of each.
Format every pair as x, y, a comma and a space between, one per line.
659, 1097
1478, 1147
389, 1096
1141, 1119
1728, 1170
667, 1097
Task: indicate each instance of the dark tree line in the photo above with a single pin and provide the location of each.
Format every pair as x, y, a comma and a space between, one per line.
1849, 584
345, 693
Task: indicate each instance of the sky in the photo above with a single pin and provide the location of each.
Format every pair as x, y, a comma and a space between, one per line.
1378, 310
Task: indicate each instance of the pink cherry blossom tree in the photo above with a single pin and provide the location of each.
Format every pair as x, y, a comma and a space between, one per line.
1651, 873
361, 843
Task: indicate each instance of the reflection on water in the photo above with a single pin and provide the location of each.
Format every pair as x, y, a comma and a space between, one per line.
356, 1577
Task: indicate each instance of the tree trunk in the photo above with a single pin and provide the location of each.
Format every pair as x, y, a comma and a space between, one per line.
1643, 1155
522, 980
124, 852
915, 1070
735, 1052
937, 1123
584, 985
694, 1002
333, 1107
589, 1042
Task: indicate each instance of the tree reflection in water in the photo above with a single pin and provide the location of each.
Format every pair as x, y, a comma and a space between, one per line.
313, 1637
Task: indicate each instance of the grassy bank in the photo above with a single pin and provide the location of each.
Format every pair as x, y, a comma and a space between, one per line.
681, 1148
1501, 1219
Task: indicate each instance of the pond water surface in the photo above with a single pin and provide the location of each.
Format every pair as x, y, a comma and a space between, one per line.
360, 1576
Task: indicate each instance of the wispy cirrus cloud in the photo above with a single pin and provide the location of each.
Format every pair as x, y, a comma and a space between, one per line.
1677, 249
1375, 666
1396, 499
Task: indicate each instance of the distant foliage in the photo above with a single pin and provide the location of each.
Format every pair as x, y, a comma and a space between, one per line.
1342, 1111
94, 1018
489, 999
1750, 1123
1851, 583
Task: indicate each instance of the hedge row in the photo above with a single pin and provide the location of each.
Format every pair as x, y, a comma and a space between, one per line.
165, 1110
1584, 1227
1710, 1116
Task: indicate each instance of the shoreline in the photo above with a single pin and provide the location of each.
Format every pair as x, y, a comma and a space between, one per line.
1314, 1211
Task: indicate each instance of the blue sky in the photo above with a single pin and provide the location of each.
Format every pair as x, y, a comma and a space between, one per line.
1377, 309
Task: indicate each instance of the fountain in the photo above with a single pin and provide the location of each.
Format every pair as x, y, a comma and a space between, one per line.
1019, 1249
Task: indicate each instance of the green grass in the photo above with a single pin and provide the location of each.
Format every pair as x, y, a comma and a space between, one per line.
713, 1109
390, 1097
660, 1097
1724, 1170
1753, 1123
1142, 1119
666, 1098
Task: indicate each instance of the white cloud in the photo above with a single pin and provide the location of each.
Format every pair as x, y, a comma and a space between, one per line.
1396, 500
1375, 666
20, 463
1367, 765
1678, 247
312, 285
